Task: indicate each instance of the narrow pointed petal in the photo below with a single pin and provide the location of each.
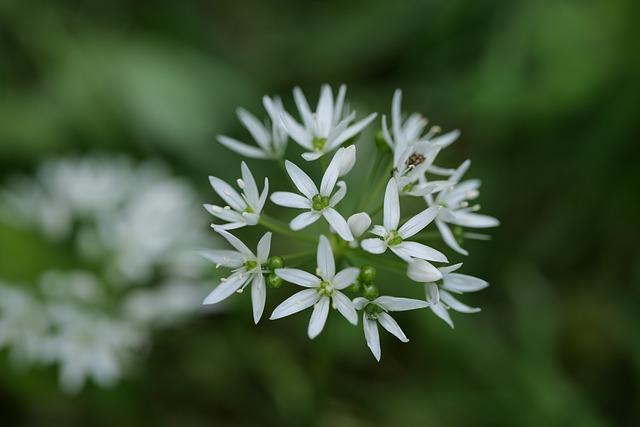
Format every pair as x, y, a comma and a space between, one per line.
432, 293
443, 141
407, 250
379, 230
345, 277
298, 277
372, 336
301, 180
337, 109
359, 303
344, 305
242, 148
290, 200
442, 313
391, 215
359, 223
263, 196
312, 155
449, 238
298, 133
456, 305
236, 243
326, 263
330, 176
462, 169
303, 107
374, 246
338, 195
418, 222
390, 324
258, 296
250, 187
396, 120
348, 160
228, 194
423, 271
399, 303
257, 130
463, 283
303, 220
264, 247
338, 223
223, 257
226, 288
354, 129
318, 317
474, 220
295, 303
450, 268
324, 111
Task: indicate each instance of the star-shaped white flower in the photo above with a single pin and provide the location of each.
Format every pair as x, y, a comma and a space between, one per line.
322, 202
324, 130
323, 290
241, 210
271, 139
376, 311
440, 299
394, 238
455, 209
247, 268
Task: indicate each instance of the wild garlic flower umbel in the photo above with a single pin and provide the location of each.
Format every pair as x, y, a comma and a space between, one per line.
336, 261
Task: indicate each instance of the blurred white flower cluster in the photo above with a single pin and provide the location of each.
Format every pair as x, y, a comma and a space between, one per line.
404, 164
132, 229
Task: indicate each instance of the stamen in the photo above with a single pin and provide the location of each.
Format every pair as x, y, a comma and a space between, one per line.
240, 183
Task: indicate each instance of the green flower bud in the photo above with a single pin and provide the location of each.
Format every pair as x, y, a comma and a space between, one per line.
370, 292
368, 274
274, 281
275, 262
355, 286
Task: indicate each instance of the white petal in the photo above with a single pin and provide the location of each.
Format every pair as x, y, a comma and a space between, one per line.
331, 174
406, 250
445, 140
354, 129
303, 107
318, 317
345, 277
391, 206
449, 238
226, 288
225, 258
399, 304
337, 109
423, 271
359, 223
295, 131
462, 169
338, 223
258, 296
379, 231
456, 305
326, 263
348, 160
298, 277
371, 335
374, 246
263, 196
295, 303
236, 243
359, 303
463, 283
311, 156
474, 220
324, 111
442, 313
290, 200
395, 114
418, 222
303, 220
338, 195
344, 305
257, 130
226, 192
264, 247
242, 148
450, 268
224, 214
301, 180
433, 293
250, 187
392, 326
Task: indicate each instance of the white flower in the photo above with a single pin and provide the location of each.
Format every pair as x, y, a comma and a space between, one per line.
359, 223
319, 203
323, 131
241, 210
376, 311
272, 140
247, 269
455, 208
440, 298
423, 271
394, 238
323, 290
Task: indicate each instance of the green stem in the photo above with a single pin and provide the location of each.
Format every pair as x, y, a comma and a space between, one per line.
375, 165
280, 227
382, 181
380, 260
282, 167
298, 256
376, 210
427, 235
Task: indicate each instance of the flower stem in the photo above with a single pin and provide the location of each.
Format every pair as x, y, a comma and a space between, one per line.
298, 256
280, 227
382, 261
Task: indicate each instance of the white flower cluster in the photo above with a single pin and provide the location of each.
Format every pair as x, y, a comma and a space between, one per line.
405, 156
134, 228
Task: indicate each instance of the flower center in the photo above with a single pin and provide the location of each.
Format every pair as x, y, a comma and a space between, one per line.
319, 202
249, 209
325, 289
407, 188
372, 311
415, 159
393, 238
250, 265
318, 143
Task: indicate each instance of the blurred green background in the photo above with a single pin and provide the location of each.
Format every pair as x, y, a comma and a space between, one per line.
547, 96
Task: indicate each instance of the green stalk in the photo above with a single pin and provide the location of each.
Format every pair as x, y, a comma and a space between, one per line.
280, 227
